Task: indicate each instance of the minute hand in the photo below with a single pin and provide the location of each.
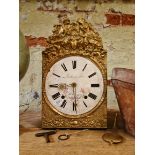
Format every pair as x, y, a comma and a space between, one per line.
74, 104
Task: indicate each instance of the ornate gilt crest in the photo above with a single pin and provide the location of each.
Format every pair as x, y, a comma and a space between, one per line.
74, 38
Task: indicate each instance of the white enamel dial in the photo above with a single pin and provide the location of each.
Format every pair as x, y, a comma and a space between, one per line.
74, 85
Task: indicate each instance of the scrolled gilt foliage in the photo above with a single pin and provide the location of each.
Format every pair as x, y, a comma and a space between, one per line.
75, 36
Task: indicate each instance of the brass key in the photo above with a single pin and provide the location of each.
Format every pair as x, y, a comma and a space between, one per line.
46, 135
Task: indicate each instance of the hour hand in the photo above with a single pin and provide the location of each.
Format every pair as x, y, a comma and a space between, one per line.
61, 86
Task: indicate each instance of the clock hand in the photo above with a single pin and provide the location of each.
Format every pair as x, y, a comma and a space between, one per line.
63, 86
74, 93
75, 100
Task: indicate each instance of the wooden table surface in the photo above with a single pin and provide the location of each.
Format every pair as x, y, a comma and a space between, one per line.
85, 143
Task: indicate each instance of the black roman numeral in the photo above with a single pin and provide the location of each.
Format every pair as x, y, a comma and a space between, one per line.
64, 67
93, 96
74, 64
85, 104
56, 75
55, 96
63, 104
54, 85
74, 106
84, 67
92, 74
95, 85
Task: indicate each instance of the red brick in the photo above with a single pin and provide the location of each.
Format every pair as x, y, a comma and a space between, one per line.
33, 41
113, 19
128, 19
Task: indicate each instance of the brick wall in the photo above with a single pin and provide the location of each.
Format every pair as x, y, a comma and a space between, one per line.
114, 20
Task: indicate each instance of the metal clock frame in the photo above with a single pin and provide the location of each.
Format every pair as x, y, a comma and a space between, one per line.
67, 41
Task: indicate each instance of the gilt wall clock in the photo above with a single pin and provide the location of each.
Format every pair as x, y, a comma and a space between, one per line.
74, 88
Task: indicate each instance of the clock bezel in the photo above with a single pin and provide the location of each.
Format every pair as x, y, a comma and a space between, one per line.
98, 65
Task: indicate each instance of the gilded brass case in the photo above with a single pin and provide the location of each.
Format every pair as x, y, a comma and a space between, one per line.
74, 39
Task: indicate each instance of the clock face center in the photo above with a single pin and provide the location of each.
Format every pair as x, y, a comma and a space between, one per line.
74, 86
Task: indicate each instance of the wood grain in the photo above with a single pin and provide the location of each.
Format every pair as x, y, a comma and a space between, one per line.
85, 143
